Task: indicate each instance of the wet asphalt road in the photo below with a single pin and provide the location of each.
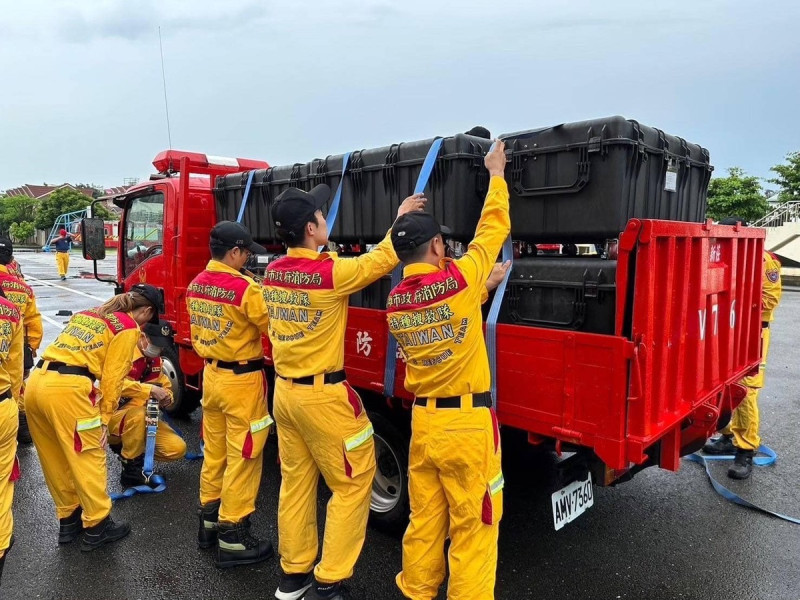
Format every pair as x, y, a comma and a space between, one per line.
661, 536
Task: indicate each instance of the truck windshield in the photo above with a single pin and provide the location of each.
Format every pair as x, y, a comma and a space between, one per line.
144, 230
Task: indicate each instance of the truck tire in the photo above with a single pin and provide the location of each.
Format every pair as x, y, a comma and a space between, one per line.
185, 400
389, 505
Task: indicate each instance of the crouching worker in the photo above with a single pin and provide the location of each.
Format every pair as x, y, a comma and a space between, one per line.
127, 429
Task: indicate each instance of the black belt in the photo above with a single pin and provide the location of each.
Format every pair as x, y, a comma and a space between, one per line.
65, 369
484, 399
239, 368
764, 324
335, 377
5, 395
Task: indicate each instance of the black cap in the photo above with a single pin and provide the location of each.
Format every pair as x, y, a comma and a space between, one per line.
733, 221
6, 247
480, 132
294, 208
160, 333
413, 229
229, 234
152, 295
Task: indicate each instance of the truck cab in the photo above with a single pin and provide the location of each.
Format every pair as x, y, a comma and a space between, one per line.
163, 241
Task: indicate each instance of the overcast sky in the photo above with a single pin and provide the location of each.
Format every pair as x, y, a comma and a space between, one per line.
82, 97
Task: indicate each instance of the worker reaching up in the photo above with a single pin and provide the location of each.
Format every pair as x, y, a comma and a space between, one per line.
455, 476
322, 425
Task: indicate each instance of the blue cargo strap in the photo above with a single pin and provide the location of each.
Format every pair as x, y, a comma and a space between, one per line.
156, 483
189, 455
333, 212
770, 458
397, 274
246, 196
491, 318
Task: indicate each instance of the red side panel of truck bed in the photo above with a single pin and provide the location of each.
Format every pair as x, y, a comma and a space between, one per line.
688, 327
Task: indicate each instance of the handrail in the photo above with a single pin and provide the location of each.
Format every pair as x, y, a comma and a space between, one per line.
785, 212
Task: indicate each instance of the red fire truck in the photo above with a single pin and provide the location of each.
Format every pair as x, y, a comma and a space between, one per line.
686, 328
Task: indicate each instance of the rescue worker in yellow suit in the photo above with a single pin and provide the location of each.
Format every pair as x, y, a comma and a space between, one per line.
21, 294
741, 436
68, 416
322, 424
62, 245
454, 467
10, 330
127, 431
228, 316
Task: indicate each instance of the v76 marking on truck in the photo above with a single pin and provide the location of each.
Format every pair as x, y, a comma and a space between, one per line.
703, 314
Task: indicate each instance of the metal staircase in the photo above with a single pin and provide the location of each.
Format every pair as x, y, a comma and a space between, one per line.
783, 232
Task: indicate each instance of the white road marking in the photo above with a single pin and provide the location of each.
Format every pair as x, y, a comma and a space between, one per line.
53, 321
61, 287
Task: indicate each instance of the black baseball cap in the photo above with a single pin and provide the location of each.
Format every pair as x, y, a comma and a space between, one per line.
230, 234
414, 229
159, 333
733, 221
152, 295
6, 247
294, 208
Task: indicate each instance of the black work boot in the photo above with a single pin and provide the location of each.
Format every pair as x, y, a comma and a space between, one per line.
69, 528
105, 532
132, 472
721, 445
132, 475
327, 591
742, 465
209, 523
294, 586
23, 433
235, 545
116, 449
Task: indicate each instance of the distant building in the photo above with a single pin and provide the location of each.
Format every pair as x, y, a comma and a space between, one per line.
40, 192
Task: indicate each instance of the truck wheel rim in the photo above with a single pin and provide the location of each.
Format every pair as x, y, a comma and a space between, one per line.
172, 374
388, 483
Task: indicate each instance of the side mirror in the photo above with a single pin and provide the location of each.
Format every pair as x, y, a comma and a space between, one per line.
93, 237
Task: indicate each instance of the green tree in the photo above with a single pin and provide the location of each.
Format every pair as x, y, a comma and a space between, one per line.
788, 177
15, 209
20, 232
738, 195
65, 200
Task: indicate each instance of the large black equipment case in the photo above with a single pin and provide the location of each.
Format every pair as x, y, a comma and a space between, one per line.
376, 183
553, 292
582, 182
561, 293
575, 182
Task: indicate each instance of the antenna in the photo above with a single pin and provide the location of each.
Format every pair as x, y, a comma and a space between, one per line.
164, 79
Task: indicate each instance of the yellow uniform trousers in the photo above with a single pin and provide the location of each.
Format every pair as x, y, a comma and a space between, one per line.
744, 423
8, 457
66, 428
62, 262
323, 429
235, 428
127, 427
455, 489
